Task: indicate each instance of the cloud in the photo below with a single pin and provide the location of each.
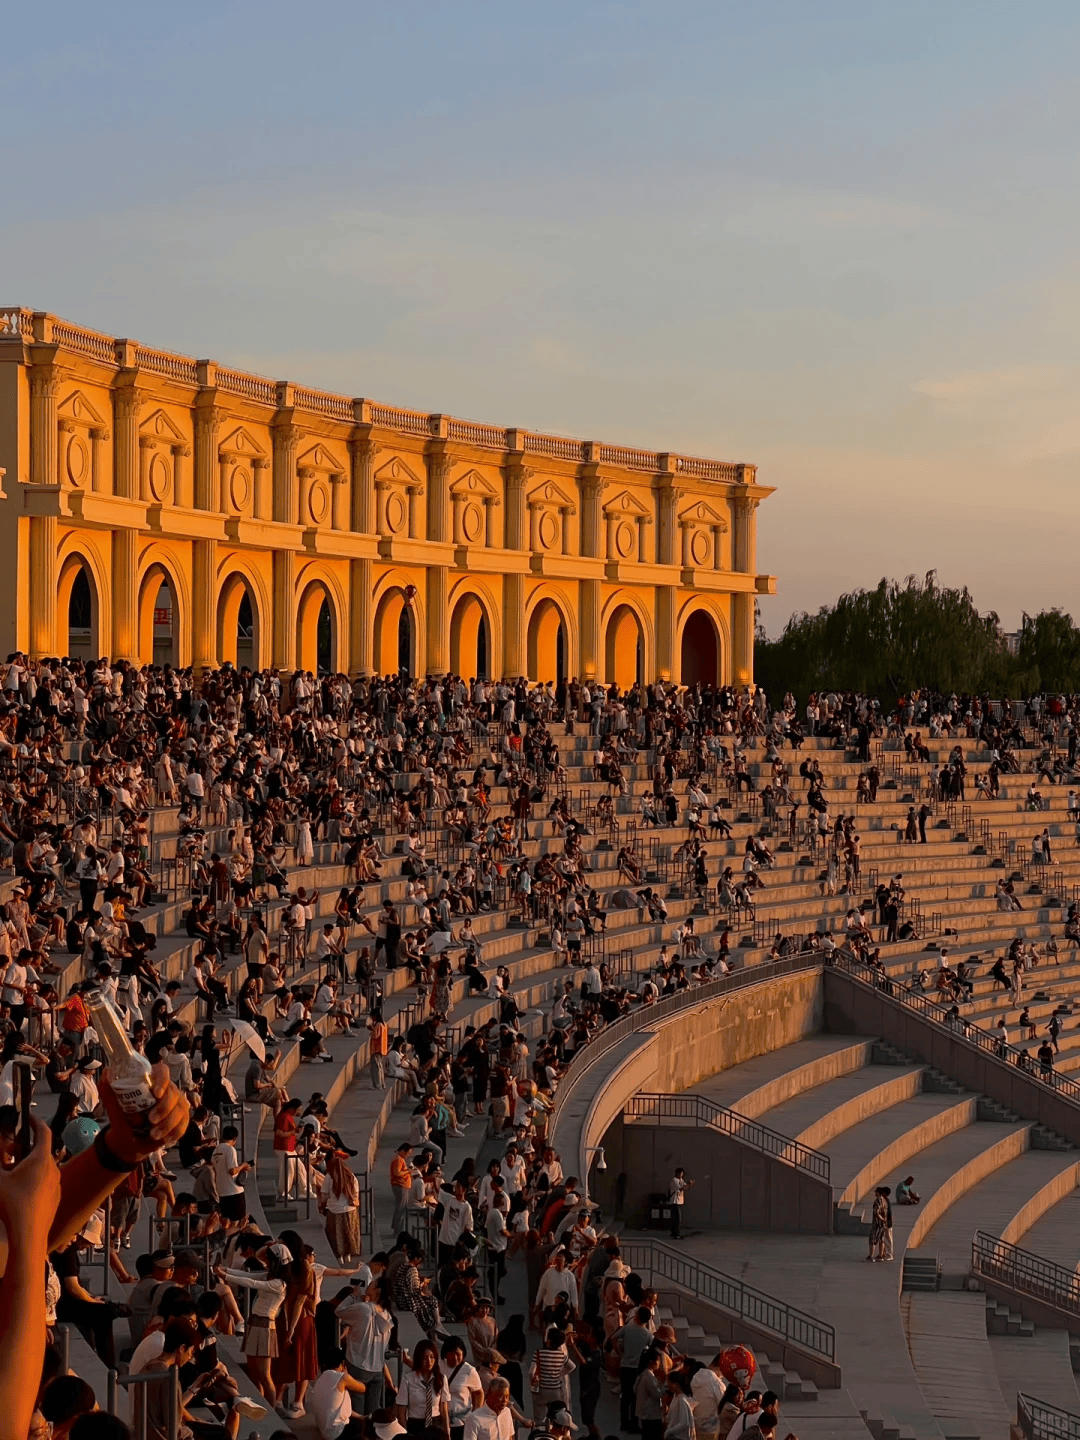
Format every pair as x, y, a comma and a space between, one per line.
1021, 413
976, 387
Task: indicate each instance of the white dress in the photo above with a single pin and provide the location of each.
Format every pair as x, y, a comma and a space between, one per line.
305, 851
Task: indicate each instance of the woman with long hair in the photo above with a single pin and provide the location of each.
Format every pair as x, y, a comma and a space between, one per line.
423, 1397
261, 1334
339, 1205
297, 1362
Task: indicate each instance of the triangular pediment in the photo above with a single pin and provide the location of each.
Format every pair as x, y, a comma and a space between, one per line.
77, 407
472, 483
702, 513
625, 503
321, 457
158, 426
242, 442
548, 493
396, 472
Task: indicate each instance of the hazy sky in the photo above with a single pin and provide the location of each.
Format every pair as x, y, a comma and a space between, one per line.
840, 240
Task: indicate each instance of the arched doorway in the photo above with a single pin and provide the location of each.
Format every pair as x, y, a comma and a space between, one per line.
546, 643
699, 656
237, 624
394, 647
316, 631
78, 598
324, 640
158, 624
624, 648
469, 641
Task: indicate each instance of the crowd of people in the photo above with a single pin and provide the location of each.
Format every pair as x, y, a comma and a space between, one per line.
259, 771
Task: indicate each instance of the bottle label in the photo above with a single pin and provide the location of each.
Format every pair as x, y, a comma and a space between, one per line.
134, 1098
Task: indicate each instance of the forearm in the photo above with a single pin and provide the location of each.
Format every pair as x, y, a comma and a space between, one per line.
22, 1338
85, 1184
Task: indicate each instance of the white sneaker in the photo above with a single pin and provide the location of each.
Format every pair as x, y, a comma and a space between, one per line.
294, 1412
251, 1408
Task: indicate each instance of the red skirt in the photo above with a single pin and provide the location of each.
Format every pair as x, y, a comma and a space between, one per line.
297, 1359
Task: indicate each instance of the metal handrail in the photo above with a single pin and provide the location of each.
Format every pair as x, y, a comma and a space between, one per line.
648, 1015
1040, 1421
725, 1292
703, 1111
963, 1029
1022, 1270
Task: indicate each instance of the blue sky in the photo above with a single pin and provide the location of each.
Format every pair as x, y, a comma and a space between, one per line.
838, 240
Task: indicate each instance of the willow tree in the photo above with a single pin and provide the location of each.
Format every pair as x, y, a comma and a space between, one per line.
887, 641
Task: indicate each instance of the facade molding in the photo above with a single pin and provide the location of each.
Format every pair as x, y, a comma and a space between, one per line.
128, 456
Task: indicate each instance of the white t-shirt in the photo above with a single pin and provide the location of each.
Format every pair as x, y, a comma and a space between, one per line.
331, 1404
706, 1391
224, 1159
150, 1347
462, 1381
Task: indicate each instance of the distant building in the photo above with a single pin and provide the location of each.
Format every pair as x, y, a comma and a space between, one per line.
161, 508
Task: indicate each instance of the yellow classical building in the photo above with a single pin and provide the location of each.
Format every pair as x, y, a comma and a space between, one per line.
157, 507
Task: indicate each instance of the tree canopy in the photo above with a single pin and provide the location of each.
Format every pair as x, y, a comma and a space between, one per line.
916, 634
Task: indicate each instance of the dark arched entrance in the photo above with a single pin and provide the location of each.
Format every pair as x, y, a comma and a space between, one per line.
700, 659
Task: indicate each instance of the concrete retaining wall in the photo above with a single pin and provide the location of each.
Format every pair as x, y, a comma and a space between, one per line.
854, 1009
736, 1184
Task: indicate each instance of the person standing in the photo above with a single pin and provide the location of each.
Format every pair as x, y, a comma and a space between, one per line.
401, 1178
881, 1225
677, 1199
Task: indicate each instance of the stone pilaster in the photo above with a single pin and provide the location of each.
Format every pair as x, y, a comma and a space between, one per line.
514, 657
362, 454
439, 465
284, 644
590, 667
44, 425
745, 534
286, 436
181, 491
665, 633
667, 500
592, 490
438, 620
207, 478
361, 616
742, 637
125, 621
203, 610
43, 575
261, 484
515, 477
126, 405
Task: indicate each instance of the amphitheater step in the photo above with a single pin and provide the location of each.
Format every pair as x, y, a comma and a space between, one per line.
1000, 1320
885, 1054
788, 1384
920, 1272
277, 1213
938, 1083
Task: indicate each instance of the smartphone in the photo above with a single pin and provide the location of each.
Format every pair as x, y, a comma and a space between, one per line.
23, 1094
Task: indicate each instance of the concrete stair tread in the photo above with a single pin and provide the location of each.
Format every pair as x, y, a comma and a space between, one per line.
757, 1085
838, 1103
854, 1153
951, 1354
1056, 1234
995, 1203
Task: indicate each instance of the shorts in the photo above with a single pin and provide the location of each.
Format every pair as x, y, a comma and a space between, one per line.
233, 1207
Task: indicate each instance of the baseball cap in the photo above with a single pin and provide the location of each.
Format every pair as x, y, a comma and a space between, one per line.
559, 1415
